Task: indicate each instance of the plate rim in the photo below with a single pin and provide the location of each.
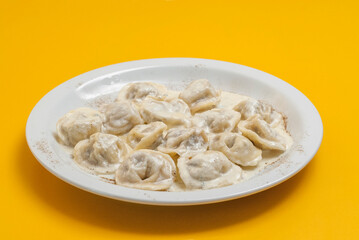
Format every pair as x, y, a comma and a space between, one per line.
161, 198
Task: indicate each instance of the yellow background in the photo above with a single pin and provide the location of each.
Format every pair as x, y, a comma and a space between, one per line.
312, 45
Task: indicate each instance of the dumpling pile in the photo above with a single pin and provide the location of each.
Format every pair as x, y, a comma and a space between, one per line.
152, 138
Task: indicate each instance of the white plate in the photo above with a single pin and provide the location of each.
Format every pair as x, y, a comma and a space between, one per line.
304, 123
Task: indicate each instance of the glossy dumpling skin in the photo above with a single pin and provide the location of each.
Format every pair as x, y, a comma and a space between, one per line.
78, 125
147, 136
120, 117
184, 140
261, 134
237, 148
173, 113
101, 153
217, 120
146, 169
200, 95
140, 90
250, 107
206, 170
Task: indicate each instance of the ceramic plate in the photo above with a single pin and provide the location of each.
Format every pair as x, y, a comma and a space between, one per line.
102, 85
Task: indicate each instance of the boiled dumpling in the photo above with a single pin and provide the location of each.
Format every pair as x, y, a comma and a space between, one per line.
217, 120
147, 169
120, 117
173, 113
206, 170
140, 90
261, 134
237, 148
250, 107
146, 135
184, 140
78, 125
200, 95
102, 153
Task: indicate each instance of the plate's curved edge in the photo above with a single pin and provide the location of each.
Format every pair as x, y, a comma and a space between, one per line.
117, 68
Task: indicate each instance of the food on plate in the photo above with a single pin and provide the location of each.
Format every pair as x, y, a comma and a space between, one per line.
101, 153
237, 148
209, 169
183, 140
146, 136
261, 134
200, 95
217, 120
120, 117
251, 107
146, 169
140, 90
154, 138
78, 124
173, 113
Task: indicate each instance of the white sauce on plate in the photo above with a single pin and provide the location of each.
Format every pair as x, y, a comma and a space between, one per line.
179, 117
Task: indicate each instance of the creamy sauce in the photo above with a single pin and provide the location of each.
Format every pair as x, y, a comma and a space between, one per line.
228, 101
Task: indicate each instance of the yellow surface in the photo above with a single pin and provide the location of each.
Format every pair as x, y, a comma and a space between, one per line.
312, 45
